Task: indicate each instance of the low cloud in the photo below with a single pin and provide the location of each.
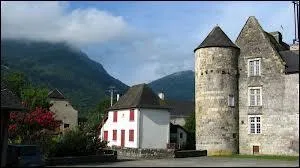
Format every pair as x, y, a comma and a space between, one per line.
54, 21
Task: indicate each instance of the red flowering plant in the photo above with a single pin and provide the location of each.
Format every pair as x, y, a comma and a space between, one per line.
30, 126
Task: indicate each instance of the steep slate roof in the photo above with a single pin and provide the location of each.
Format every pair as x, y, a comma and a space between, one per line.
9, 101
181, 108
139, 96
216, 38
282, 46
56, 94
292, 60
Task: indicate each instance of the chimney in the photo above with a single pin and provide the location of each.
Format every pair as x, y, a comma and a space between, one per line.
277, 35
161, 95
118, 96
294, 47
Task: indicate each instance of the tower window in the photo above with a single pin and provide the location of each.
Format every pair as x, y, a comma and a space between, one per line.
255, 124
231, 101
254, 66
255, 96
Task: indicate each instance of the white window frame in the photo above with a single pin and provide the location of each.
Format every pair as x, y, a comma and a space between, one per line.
255, 124
260, 91
231, 100
254, 71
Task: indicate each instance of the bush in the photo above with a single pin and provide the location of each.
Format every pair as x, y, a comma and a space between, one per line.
77, 143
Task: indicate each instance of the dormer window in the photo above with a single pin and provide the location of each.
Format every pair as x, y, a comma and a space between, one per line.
254, 67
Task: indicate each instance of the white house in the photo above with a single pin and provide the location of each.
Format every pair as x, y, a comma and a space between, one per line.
139, 119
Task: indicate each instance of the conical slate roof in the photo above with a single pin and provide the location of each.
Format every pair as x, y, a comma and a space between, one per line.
139, 96
216, 38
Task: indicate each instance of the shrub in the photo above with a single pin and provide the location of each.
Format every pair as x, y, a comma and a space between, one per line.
77, 143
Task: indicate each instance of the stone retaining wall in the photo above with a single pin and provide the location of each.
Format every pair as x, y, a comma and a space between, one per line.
134, 153
81, 159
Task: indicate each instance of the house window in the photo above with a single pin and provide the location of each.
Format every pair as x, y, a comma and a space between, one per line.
131, 135
231, 101
254, 67
255, 96
255, 124
66, 125
105, 137
115, 135
131, 117
180, 135
115, 116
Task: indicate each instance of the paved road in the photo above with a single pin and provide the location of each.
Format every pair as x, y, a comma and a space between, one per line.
198, 162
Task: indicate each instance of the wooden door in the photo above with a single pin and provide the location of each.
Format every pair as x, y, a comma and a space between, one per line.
255, 149
122, 138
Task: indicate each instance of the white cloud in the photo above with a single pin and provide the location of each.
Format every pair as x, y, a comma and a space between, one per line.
53, 21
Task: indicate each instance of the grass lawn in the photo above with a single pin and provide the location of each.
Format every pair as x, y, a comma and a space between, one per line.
274, 157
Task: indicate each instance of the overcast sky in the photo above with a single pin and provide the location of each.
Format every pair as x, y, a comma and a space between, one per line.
138, 42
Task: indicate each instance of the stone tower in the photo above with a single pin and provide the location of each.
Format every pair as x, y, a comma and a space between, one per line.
216, 87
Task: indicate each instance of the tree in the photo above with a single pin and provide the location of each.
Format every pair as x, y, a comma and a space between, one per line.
35, 97
190, 123
190, 126
95, 116
15, 82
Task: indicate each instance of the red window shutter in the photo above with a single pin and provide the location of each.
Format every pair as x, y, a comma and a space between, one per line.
131, 135
105, 136
115, 116
131, 117
114, 134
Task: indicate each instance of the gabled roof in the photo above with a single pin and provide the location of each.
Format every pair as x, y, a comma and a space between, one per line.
173, 128
9, 101
139, 96
56, 94
216, 38
291, 58
181, 108
282, 46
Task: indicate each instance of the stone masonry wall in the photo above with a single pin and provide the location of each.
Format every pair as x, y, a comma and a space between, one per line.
64, 111
279, 117
137, 153
215, 80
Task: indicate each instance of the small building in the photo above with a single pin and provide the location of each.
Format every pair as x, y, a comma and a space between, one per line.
9, 103
178, 136
63, 110
139, 119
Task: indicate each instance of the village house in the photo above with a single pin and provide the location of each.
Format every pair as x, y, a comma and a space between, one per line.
139, 119
178, 136
9, 102
247, 93
63, 110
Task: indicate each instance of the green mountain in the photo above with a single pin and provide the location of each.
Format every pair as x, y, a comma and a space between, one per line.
177, 86
57, 65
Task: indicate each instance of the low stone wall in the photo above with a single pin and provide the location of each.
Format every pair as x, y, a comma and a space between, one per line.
81, 159
190, 153
133, 153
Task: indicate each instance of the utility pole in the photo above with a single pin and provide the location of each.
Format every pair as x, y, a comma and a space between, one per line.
296, 21
112, 89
